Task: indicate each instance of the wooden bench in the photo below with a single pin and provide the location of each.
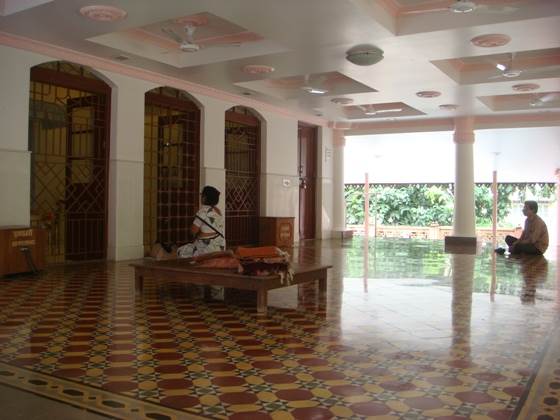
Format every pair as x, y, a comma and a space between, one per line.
181, 270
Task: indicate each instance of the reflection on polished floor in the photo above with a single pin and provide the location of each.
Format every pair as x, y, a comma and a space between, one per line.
406, 331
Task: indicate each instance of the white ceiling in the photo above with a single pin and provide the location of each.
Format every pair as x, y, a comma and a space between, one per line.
426, 47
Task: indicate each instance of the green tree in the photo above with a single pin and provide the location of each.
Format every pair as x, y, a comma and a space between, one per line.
423, 205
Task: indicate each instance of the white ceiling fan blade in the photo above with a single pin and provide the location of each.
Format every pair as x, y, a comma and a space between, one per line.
420, 12
171, 34
380, 111
550, 97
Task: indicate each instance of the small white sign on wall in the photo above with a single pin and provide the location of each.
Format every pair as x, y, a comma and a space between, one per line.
328, 154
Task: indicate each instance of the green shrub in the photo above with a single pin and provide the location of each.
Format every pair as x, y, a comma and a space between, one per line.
424, 205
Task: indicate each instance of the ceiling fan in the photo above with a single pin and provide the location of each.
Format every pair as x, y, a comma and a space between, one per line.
544, 99
464, 6
370, 111
187, 43
314, 88
506, 69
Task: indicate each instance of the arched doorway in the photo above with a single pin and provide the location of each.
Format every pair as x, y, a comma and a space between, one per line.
242, 164
69, 113
171, 165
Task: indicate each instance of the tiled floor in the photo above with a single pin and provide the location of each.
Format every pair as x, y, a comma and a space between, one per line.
406, 331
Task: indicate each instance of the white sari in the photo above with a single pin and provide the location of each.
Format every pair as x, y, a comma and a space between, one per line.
209, 221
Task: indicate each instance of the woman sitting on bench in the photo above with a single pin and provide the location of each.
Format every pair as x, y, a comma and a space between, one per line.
207, 228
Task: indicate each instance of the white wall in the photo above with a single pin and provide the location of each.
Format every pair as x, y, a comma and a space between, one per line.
125, 218
126, 167
279, 178
525, 155
15, 169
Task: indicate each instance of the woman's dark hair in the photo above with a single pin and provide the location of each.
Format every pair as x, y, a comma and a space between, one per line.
210, 196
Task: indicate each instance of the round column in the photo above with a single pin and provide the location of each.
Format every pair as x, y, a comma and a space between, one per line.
339, 204
463, 217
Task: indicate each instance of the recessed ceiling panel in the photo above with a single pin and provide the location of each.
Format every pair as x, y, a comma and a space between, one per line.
523, 65
190, 41
8, 7
523, 101
420, 7
381, 110
319, 84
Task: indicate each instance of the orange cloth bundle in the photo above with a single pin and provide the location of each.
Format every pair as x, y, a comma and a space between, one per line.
258, 252
221, 259
219, 262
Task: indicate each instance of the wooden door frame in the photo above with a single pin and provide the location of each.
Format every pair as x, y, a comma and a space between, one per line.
316, 200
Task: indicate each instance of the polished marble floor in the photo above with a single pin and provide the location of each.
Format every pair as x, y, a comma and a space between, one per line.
406, 331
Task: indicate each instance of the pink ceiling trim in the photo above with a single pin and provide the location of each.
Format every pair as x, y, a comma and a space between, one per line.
464, 130
518, 120
390, 6
238, 38
338, 138
141, 35
62, 53
533, 62
545, 119
194, 20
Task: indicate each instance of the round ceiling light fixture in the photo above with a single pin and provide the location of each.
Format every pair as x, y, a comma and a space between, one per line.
342, 101
103, 13
525, 87
428, 94
364, 55
258, 69
448, 107
491, 40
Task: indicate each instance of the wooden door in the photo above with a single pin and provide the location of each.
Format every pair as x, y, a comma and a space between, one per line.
307, 168
172, 202
171, 166
86, 176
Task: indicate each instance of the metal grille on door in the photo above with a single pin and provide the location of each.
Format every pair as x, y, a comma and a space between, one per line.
171, 160
68, 126
242, 183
